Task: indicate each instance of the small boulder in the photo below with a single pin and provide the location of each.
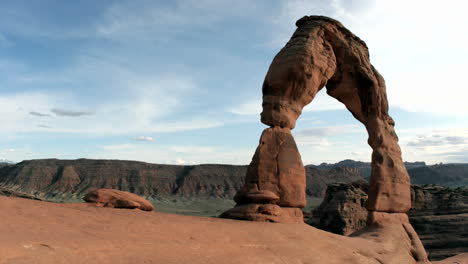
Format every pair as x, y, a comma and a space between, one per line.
117, 199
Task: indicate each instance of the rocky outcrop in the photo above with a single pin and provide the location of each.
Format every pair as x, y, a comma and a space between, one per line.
439, 215
117, 199
11, 193
66, 180
343, 209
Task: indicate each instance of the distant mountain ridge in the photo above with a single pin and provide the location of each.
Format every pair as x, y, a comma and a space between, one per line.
448, 175
65, 180
71, 179
364, 167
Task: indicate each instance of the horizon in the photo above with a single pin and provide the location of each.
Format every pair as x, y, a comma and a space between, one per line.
180, 82
246, 164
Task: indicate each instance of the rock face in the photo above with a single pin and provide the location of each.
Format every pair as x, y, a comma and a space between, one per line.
439, 215
117, 199
69, 180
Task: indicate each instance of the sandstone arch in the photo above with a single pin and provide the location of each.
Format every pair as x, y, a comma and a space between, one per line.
321, 52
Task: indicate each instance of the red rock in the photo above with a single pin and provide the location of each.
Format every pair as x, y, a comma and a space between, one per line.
117, 199
265, 213
276, 173
323, 52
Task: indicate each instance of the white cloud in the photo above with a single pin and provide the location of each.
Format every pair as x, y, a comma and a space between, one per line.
144, 138
253, 107
176, 154
180, 161
423, 71
69, 113
152, 22
322, 102
34, 113
438, 145
191, 149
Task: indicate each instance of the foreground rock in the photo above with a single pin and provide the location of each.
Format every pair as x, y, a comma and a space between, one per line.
439, 215
79, 233
117, 199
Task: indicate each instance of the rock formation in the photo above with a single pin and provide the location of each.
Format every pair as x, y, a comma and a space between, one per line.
12, 193
343, 210
322, 52
117, 199
439, 215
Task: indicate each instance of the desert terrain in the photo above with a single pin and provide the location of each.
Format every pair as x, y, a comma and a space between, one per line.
42, 232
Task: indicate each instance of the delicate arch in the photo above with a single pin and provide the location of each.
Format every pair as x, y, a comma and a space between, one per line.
321, 53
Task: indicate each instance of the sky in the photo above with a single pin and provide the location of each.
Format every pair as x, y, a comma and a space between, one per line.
179, 82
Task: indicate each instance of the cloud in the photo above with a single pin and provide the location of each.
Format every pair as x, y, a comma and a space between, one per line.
253, 107
437, 140
44, 126
191, 149
441, 145
144, 138
150, 20
70, 113
180, 161
9, 150
322, 102
175, 154
326, 131
34, 113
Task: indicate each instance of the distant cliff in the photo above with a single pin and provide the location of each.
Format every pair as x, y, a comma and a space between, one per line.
449, 175
71, 179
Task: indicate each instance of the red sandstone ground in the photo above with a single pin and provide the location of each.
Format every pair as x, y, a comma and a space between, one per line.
41, 232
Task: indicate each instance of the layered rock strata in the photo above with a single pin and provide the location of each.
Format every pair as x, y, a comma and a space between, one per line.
70, 180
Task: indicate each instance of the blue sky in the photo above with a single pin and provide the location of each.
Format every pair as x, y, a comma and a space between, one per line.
180, 81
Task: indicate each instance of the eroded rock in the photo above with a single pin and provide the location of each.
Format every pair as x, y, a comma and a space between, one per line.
323, 52
117, 199
276, 174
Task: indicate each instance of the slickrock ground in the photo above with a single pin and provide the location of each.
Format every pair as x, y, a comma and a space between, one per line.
40, 232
